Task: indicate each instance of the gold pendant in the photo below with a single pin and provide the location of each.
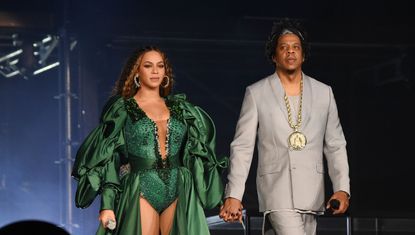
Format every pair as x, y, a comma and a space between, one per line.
297, 141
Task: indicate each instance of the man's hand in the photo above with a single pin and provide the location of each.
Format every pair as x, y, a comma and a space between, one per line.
231, 210
343, 198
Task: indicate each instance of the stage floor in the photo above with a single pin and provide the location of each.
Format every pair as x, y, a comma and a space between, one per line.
327, 225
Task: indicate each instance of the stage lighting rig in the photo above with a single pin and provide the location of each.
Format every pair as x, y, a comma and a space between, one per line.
43, 50
11, 53
9, 64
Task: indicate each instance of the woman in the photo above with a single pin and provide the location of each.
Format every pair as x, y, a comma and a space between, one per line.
152, 157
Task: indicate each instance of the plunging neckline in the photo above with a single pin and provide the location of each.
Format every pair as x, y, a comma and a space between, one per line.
166, 146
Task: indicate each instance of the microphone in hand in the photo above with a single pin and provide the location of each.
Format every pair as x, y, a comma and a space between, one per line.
334, 205
111, 224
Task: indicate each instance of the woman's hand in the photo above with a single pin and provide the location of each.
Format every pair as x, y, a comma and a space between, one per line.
105, 216
231, 210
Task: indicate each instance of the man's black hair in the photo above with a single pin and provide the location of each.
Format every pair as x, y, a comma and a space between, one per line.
278, 28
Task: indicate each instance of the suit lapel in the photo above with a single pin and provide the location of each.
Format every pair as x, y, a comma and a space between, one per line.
278, 93
307, 101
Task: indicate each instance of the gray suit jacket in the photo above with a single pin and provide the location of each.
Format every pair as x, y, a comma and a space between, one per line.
288, 179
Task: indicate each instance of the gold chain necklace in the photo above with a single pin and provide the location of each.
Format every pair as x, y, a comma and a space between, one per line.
287, 105
296, 140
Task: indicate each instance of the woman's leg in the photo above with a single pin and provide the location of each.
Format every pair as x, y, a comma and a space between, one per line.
150, 221
166, 218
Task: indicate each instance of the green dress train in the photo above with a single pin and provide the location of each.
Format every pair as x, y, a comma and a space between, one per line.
120, 160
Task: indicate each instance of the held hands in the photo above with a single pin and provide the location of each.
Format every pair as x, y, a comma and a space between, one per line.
231, 210
105, 216
343, 198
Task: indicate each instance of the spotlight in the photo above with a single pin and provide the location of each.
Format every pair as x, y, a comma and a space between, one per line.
47, 67
11, 55
16, 41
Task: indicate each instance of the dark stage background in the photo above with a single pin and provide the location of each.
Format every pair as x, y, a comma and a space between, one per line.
364, 50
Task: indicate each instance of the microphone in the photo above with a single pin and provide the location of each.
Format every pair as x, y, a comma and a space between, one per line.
334, 204
111, 224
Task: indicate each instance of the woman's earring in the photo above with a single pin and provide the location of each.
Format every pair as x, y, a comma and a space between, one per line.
137, 81
167, 83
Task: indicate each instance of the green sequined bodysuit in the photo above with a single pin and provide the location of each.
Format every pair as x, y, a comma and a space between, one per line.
120, 160
158, 176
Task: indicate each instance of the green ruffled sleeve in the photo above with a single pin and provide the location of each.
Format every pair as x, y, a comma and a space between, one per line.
97, 160
199, 155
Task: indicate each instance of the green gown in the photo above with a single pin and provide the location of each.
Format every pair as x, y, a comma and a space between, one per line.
120, 160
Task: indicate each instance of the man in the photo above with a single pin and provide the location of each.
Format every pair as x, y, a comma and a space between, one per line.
295, 121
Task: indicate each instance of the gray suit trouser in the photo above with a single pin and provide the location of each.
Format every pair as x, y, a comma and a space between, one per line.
293, 223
